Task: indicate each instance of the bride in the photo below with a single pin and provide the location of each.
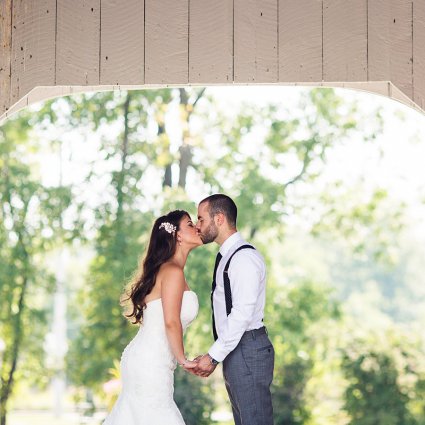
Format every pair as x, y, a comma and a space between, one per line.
163, 305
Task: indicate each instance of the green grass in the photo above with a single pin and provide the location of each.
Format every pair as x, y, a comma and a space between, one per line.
41, 417
47, 418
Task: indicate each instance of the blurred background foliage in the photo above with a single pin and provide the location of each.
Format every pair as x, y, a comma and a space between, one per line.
88, 174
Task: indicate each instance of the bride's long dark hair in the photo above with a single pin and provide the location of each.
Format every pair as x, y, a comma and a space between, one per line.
162, 246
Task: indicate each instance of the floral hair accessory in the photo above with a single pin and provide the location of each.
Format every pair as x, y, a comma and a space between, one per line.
168, 227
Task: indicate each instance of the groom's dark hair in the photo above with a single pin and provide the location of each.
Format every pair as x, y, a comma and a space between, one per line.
220, 203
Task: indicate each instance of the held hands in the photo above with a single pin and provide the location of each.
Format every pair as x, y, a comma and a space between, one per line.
189, 364
200, 366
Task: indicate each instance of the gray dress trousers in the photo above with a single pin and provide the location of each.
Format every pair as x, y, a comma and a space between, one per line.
248, 374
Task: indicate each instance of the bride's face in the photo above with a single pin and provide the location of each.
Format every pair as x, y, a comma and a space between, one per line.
188, 234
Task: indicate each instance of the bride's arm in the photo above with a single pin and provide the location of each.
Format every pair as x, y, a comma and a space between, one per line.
172, 288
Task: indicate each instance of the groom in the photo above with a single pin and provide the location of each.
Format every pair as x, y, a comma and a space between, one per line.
238, 297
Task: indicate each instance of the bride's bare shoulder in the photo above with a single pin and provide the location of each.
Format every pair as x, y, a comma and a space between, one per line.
170, 270
171, 279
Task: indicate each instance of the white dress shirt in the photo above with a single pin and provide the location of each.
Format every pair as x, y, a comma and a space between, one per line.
247, 274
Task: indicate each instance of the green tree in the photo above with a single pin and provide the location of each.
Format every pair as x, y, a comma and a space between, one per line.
30, 226
291, 148
301, 140
222, 151
193, 397
123, 221
374, 395
294, 315
119, 228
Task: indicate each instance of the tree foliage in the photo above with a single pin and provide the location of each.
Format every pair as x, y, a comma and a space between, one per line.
375, 394
30, 226
157, 150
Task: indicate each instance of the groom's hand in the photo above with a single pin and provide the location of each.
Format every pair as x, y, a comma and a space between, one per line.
192, 369
204, 367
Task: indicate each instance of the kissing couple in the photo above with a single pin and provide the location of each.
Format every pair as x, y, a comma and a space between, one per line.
163, 305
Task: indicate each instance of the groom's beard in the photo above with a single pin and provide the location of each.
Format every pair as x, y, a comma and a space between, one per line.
210, 234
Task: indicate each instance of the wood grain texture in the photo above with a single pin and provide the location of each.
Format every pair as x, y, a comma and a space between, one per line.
255, 41
166, 41
211, 41
300, 40
344, 40
401, 64
33, 45
78, 42
122, 51
379, 40
391, 43
419, 52
108, 44
5, 55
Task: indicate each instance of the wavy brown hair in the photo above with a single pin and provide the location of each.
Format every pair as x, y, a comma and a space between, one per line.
162, 246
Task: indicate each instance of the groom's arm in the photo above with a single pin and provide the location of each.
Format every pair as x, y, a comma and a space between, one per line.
246, 273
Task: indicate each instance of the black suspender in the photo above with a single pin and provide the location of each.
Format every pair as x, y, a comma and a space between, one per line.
226, 280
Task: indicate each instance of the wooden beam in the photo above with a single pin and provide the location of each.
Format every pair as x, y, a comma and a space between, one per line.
419, 53
78, 42
33, 46
122, 51
255, 41
300, 40
379, 40
345, 40
401, 74
166, 41
6, 45
211, 41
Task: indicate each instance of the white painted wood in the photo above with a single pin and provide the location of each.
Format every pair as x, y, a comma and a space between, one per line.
345, 40
78, 42
382, 88
5, 45
390, 43
166, 41
45, 93
255, 41
211, 41
399, 96
300, 40
379, 40
367, 44
377, 87
401, 65
33, 45
122, 48
419, 52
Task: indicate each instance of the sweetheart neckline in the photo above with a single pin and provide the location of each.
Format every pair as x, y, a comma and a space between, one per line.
160, 298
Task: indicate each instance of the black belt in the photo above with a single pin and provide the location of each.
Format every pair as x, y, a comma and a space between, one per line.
254, 333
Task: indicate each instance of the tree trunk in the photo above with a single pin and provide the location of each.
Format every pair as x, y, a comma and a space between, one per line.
124, 154
186, 110
168, 175
12, 355
185, 151
8, 382
185, 162
119, 233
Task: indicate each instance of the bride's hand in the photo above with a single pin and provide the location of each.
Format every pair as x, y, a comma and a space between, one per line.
190, 364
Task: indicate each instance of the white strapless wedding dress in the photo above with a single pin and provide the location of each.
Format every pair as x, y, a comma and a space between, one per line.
147, 371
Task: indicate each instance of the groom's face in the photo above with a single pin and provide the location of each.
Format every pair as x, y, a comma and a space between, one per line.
206, 226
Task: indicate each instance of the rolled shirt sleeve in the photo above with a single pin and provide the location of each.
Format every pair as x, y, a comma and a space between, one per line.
247, 281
